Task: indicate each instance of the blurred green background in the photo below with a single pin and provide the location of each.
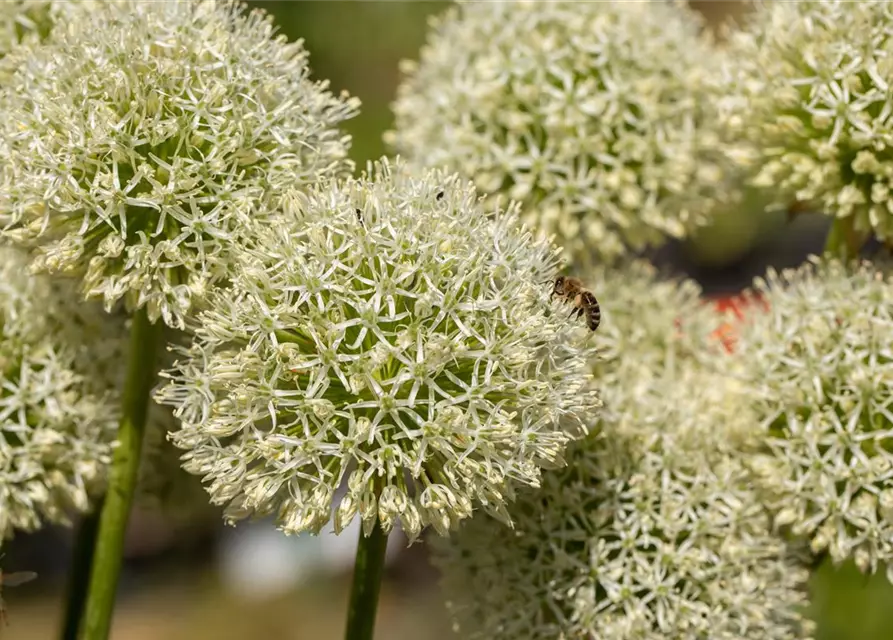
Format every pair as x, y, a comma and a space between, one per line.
357, 46
176, 591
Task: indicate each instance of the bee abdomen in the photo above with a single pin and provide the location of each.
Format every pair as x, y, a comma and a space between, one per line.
593, 311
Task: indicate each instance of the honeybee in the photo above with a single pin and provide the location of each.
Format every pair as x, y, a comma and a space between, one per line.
13, 580
573, 291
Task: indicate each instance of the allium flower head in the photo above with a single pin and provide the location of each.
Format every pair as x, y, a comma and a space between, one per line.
821, 366
592, 114
56, 421
650, 532
139, 147
392, 335
815, 104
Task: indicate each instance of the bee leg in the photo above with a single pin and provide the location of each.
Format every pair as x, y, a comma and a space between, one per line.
579, 313
571, 314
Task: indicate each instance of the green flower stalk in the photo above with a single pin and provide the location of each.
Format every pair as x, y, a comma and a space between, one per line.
140, 146
820, 368
392, 335
814, 103
652, 530
57, 422
596, 116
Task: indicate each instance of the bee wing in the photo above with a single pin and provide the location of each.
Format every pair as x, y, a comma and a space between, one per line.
17, 578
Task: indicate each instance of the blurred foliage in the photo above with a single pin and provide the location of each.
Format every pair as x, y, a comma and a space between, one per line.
181, 605
850, 606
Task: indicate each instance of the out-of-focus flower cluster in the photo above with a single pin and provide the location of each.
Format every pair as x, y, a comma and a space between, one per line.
138, 149
646, 317
392, 334
23, 22
57, 417
815, 105
653, 530
163, 485
595, 115
820, 366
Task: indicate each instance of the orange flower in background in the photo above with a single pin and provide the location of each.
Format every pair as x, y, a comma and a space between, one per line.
736, 304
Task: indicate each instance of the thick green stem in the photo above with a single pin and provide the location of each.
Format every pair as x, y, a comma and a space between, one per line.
79, 577
843, 242
367, 573
145, 338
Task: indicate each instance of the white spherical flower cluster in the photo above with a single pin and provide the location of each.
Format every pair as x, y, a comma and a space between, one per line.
594, 115
57, 420
815, 102
651, 532
138, 149
392, 335
821, 367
